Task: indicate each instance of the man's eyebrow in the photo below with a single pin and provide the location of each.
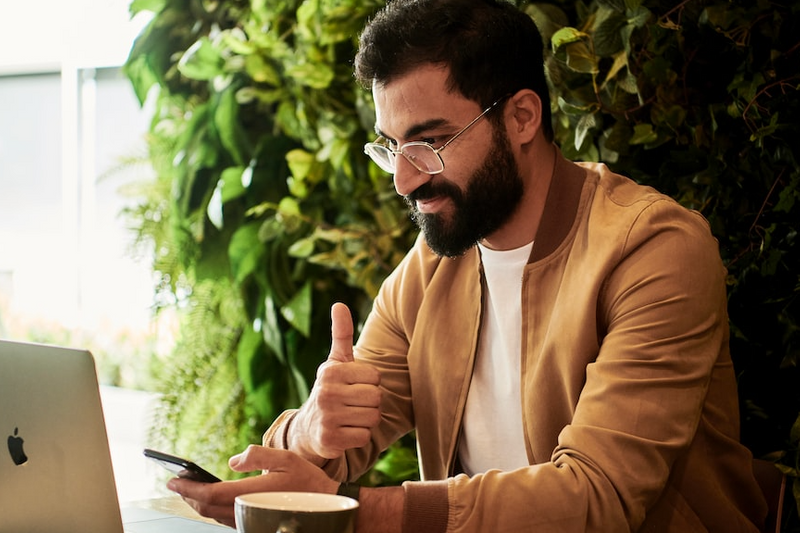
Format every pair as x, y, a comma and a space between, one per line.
416, 129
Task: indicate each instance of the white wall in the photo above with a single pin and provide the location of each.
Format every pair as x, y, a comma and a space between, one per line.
67, 118
46, 33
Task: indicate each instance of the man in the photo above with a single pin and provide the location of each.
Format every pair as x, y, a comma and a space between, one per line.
557, 337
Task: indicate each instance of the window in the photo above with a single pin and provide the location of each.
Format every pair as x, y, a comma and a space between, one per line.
68, 118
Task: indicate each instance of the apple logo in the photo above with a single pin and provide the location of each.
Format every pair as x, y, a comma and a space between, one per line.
15, 448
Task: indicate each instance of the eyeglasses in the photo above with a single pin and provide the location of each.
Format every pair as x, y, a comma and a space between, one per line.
421, 154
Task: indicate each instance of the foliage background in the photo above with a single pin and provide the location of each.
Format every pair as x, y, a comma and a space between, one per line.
265, 211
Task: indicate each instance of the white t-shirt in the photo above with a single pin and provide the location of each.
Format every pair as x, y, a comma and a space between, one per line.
492, 436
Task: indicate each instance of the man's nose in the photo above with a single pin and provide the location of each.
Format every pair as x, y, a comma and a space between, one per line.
407, 178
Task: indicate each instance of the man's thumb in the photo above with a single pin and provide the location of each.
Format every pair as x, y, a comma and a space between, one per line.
341, 334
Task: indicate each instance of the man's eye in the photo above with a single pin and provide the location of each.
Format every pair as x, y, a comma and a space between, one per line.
429, 140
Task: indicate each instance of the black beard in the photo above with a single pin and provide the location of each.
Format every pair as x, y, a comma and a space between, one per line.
493, 193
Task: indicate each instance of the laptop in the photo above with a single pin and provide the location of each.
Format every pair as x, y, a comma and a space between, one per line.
56, 474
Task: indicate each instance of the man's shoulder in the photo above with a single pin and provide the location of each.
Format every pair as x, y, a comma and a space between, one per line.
621, 194
618, 188
627, 212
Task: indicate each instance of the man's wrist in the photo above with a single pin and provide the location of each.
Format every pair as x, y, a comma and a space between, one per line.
294, 441
380, 510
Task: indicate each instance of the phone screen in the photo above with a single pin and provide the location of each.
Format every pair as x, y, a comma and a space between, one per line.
181, 467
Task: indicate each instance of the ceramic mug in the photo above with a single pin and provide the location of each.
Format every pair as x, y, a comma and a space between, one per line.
294, 512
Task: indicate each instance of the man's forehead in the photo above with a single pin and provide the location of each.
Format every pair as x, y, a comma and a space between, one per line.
425, 82
423, 95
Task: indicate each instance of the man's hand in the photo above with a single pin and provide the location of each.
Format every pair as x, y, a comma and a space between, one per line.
345, 401
380, 510
283, 471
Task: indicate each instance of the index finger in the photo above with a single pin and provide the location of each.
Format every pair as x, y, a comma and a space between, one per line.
220, 494
216, 500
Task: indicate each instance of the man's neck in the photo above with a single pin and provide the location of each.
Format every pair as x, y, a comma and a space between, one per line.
536, 170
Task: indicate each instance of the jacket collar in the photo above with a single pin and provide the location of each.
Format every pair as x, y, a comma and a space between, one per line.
561, 207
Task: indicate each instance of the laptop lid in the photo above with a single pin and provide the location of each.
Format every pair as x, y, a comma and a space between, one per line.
55, 466
56, 474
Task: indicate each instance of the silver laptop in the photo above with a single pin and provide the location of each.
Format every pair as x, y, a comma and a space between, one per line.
55, 465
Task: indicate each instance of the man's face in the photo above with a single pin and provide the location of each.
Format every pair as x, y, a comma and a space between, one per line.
480, 186
492, 193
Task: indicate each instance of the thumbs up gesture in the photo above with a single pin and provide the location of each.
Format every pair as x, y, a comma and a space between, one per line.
344, 404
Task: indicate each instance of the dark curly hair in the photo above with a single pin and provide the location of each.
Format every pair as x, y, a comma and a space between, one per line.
491, 48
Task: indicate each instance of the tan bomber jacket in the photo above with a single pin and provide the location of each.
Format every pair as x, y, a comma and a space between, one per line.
629, 399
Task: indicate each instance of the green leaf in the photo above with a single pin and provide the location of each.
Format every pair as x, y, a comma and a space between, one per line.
616, 5
142, 77
150, 56
226, 119
245, 251
201, 61
565, 36
154, 6
639, 15
794, 433
548, 18
271, 229
618, 136
572, 109
629, 84
302, 248
607, 37
585, 124
643, 134
289, 207
232, 183
300, 384
620, 63
246, 353
789, 196
314, 75
300, 163
581, 59
658, 71
261, 70
236, 40
298, 310
271, 331
398, 463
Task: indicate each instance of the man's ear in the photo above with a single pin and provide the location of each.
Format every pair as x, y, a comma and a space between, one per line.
525, 110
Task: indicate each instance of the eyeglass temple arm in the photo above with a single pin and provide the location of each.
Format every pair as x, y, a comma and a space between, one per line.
468, 126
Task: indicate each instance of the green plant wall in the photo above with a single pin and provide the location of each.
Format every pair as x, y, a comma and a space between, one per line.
265, 210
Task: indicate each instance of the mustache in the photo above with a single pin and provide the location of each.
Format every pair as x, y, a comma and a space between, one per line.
430, 190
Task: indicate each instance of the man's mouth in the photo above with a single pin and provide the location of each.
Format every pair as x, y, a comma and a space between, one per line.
430, 205
429, 199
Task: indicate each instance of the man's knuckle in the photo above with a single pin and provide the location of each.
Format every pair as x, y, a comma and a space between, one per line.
376, 396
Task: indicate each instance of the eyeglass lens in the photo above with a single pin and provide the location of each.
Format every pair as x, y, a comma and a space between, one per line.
421, 155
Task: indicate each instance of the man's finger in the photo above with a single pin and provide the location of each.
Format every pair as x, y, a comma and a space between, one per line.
256, 457
341, 334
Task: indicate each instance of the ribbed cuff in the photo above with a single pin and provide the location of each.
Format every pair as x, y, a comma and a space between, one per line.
426, 507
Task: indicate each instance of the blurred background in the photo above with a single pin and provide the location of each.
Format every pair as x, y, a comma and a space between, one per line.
71, 141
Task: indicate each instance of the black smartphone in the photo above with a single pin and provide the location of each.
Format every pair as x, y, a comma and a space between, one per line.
181, 467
